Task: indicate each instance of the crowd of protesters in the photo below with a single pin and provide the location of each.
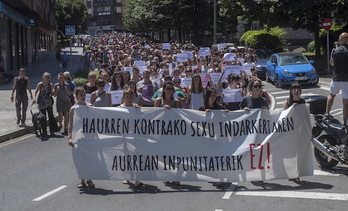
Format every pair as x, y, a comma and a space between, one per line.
126, 70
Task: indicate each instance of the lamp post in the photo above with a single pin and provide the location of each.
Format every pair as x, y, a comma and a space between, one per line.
214, 41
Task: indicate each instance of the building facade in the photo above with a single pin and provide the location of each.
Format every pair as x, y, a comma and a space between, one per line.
105, 16
28, 26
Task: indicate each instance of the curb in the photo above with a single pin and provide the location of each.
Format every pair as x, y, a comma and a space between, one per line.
16, 133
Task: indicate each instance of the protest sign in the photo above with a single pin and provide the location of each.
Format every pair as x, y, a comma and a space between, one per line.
215, 77
116, 96
156, 144
182, 58
232, 95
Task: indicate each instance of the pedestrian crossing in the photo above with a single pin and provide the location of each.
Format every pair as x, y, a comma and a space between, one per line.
278, 96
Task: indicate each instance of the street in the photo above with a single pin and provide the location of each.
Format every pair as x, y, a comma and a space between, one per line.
40, 175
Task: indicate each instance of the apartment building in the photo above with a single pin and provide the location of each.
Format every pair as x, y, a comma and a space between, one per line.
27, 26
105, 16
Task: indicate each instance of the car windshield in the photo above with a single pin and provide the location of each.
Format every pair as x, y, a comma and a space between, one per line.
292, 60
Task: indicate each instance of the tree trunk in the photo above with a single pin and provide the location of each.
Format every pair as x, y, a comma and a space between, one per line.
317, 42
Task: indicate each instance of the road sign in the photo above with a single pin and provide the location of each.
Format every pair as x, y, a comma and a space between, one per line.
326, 24
69, 29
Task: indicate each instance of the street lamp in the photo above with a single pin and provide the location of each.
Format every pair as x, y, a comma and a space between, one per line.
214, 41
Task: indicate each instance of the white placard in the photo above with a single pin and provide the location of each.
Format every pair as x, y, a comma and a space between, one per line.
129, 69
215, 77
116, 96
235, 69
232, 95
229, 57
182, 58
165, 46
222, 46
139, 63
186, 82
204, 51
88, 98
189, 54
193, 68
241, 60
247, 68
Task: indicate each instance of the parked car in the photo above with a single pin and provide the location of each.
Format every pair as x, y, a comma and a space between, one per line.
285, 68
262, 56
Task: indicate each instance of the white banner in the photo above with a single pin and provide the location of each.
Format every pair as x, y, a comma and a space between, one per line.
157, 144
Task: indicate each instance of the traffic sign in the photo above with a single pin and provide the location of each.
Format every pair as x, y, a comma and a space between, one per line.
69, 30
326, 24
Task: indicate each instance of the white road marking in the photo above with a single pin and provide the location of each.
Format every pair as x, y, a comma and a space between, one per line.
325, 173
280, 92
50, 193
230, 191
294, 194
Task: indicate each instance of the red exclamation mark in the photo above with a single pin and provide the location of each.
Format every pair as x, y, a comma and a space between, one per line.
268, 154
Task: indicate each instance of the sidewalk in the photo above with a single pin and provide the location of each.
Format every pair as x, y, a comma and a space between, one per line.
47, 63
8, 127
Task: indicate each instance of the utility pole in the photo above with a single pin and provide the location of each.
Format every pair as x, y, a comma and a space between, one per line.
214, 41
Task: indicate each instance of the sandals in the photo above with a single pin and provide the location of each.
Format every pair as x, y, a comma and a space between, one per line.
296, 180
90, 183
81, 185
138, 184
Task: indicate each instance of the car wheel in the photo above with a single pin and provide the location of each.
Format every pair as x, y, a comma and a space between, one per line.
268, 79
316, 82
277, 82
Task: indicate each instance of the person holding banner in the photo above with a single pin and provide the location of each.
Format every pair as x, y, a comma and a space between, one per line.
80, 95
294, 99
100, 97
210, 101
138, 99
195, 93
167, 101
128, 101
167, 98
254, 100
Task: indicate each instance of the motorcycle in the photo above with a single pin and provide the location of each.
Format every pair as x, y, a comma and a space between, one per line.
330, 148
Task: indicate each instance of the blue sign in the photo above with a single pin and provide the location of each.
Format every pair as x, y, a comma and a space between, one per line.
31, 21
69, 30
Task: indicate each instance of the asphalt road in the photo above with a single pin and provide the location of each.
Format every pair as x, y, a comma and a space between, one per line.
40, 175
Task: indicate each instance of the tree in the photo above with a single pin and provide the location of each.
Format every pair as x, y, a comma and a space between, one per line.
144, 16
71, 12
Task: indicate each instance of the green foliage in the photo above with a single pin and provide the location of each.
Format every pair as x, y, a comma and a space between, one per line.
245, 35
71, 12
311, 46
158, 16
80, 81
278, 32
82, 74
263, 40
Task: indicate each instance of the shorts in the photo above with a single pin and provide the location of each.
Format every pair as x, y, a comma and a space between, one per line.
336, 86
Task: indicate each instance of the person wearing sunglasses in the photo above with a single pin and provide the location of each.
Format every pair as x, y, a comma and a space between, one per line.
44, 90
294, 99
101, 98
254, 100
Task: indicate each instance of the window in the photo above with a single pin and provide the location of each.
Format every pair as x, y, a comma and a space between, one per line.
118, 9
89, 4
